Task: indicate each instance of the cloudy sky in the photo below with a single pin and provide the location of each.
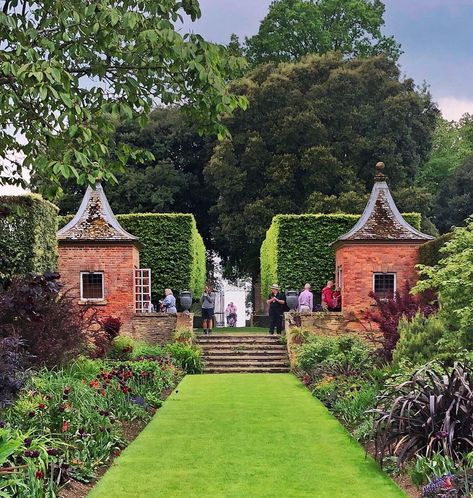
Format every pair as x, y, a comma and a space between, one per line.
436, 37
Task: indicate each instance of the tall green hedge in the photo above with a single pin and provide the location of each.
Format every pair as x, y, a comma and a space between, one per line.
172, 248
297, 248
429, 253
28, 226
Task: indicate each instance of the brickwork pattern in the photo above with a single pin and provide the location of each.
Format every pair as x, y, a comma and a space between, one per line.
157, 328
116, 261
358, 263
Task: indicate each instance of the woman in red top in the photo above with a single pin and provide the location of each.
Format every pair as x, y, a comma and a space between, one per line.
327, 295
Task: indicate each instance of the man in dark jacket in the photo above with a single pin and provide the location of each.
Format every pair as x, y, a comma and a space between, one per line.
276, 303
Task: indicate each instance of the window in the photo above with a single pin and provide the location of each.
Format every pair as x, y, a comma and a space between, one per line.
143, 290
384, 284
339, 277
91, 286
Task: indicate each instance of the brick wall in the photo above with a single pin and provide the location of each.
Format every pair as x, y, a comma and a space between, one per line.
117, 261
157, 328
360, 261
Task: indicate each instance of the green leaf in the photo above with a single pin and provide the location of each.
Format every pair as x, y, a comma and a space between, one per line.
66, 99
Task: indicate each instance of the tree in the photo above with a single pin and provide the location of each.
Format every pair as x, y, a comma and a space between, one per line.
70, 69
172, 181
294, 28
452, 144
455, 198
318, 125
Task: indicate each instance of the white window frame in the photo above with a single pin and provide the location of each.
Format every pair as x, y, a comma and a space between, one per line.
82, 290
340, 276
385, 273
141, 289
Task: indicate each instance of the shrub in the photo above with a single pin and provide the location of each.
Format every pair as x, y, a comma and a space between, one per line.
297, 248
299, 335
423, 339
189, 358
430, 252
172, 248
426, 468
48, 321
28, 227
389, 312
352, 407
429, 413
452, 279
12, 370
315, 352
121, 348
184, 335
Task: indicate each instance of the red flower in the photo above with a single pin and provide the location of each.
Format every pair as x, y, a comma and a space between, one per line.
41, 406
39, 474
102, 392
65, 426
94, 383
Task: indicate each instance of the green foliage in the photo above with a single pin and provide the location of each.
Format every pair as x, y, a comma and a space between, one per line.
70, 70
28, 226
455, 197
294, 28
121, 348
334, 119
452, 279
429, 253
184, 335
427, 468
186, 357
352, 407
421, 340
172, 248
297, 248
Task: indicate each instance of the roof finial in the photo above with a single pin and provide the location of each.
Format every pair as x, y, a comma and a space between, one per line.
380, 176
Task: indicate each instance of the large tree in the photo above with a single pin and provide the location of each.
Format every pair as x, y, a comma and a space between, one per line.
318, 125
70, 69
294, 28
171, 181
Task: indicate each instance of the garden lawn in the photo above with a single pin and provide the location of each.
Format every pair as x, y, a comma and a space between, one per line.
244, 436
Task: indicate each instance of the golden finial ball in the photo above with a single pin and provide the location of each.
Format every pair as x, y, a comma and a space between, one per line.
380, 166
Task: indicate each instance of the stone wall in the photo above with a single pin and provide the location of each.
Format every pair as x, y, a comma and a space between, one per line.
157, 328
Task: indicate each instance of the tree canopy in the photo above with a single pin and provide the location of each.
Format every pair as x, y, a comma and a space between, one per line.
294, 28
70, 69
316, 126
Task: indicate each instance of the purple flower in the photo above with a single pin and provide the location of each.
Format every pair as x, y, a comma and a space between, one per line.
2, 423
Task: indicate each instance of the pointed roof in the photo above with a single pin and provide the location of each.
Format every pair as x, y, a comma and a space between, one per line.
95, 221
381, 220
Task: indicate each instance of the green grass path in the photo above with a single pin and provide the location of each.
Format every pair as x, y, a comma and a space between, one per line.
244, 436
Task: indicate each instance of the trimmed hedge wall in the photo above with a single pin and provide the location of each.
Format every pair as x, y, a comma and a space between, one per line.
28, 226
172, 248
429, 253
297, 248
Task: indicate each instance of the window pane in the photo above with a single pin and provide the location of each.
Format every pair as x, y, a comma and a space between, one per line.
92, 286
384, 284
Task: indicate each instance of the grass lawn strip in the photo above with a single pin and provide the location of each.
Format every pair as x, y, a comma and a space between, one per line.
244, 436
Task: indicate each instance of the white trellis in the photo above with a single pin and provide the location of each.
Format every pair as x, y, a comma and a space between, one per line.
142, 290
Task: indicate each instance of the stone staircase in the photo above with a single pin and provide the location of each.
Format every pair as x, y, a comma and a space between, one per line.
231, 353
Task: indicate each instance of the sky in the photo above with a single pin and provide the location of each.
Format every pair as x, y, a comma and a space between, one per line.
435, 35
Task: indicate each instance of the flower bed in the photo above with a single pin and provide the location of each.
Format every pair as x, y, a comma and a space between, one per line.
67, 422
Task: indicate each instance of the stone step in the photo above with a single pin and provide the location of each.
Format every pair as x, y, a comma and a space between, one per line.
247, 363
243, 354
230, 343
244, 359
243, 347
218, 370
238, 338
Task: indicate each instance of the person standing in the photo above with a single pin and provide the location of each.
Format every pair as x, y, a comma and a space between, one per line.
276, 303
207, 302
306, 300
168, 304
327, 296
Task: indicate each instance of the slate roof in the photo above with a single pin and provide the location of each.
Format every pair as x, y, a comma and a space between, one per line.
381, 220
94, 221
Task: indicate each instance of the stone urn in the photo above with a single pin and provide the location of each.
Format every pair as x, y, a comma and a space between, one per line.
292, 299
185, 298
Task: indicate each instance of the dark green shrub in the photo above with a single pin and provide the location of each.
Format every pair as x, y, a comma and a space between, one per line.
423, 339
429, 253
172, 248
188, 358
431, 412
28, 226
297, 248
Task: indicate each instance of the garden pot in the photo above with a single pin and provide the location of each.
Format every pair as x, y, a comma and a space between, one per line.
185, 298
292, 299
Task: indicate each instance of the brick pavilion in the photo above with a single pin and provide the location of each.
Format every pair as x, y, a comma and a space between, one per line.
379, 253
100, 261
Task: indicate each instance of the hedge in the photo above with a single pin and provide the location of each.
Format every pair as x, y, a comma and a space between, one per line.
28, 226
429, 253
172, 248
297, 248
